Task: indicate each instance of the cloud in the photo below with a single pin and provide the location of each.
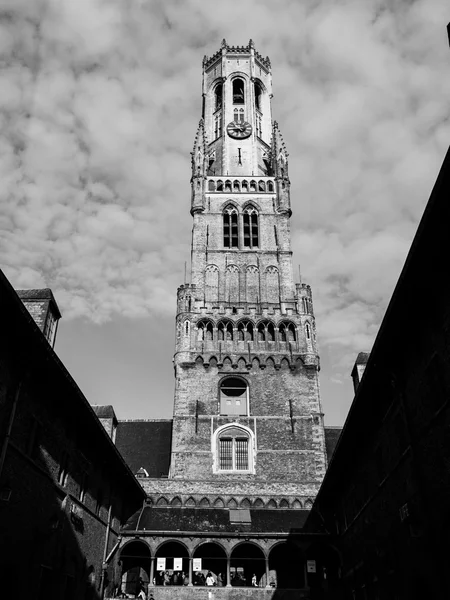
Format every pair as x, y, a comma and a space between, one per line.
98, 107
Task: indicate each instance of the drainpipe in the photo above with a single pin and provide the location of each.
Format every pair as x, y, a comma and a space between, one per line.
10, 426
105, 552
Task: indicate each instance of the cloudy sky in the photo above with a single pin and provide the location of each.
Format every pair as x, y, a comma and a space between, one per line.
99, 104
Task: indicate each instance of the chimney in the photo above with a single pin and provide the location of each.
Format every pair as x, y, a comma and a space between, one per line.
107, 418
42, 306
359, 368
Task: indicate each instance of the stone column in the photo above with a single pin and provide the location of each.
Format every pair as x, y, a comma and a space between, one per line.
152, 571
190, 572
267, 573
228, 572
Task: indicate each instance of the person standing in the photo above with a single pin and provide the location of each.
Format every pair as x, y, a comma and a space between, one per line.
209, 579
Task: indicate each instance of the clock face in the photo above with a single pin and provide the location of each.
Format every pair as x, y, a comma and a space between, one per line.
239, 130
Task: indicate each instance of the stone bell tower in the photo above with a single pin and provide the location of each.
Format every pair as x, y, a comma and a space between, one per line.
247, 406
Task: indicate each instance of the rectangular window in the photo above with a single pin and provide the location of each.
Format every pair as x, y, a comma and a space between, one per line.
226, 454
241, 454
234, 231
83, 487
63, 469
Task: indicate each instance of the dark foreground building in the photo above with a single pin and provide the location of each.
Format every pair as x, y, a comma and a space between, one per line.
386, 494
64, 488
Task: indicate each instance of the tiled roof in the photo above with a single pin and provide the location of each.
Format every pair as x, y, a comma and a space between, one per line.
43, 294
362, 358
104, 411
331, 439
156, 518
146, 444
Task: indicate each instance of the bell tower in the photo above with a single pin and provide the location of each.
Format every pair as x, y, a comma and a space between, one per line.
247, 403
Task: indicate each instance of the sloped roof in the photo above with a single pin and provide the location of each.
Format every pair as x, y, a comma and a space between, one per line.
39, 294
146, 444
362, 358
332, 435
104, 411
164, 518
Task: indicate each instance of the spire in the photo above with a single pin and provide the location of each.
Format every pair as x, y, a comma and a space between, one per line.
199, 167
279, 154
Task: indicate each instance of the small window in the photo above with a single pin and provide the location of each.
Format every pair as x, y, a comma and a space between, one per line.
270, 186
236, 186
218, 94
228, 185
245, 185
308, 331
251, 238
238, 91
233, 396
245, 331
211, 186
63, 469
230, 228
258, 94
220, 185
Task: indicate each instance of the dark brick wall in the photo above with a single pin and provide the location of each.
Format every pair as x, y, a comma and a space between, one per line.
387, 491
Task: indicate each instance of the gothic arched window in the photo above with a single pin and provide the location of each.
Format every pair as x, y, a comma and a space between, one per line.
218, 96
204, 330
258, 94
225, 331
245, 331
250, 218
245, 185
230, 227
238, 91
233, 394
234, 449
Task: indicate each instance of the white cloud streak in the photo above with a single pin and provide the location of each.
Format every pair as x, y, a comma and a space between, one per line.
98, 108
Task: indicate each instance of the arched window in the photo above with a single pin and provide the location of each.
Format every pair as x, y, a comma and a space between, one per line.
211, 186
238, 91
204, 330
308, 331
236, 186
270, 186
186, 328
261, 186
218, 92
258, 94
253, 186
251, 227
233, 393
245, 331
225, 331
230, 227
228, 185
233, 451
220, 185
245, 185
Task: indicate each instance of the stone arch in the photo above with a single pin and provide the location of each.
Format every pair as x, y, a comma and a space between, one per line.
219, 503
171, 550
211, 283
272, 284
271, 503
297, 504
204, 503
241, 364
199, 361
255, 363
270, 186
214, 560
236, 186
284, 363
232, 283
135, 559
270, 363
258, 503
261, 186
232, 503
190, 502
176, 501
253, 186
213, 362
244, 185
162, 501
227, 362
245, 503
308, 504
245, 329
225, 330
205, 328
246, 560
227, 185
252, 283
285, 559
284, 503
